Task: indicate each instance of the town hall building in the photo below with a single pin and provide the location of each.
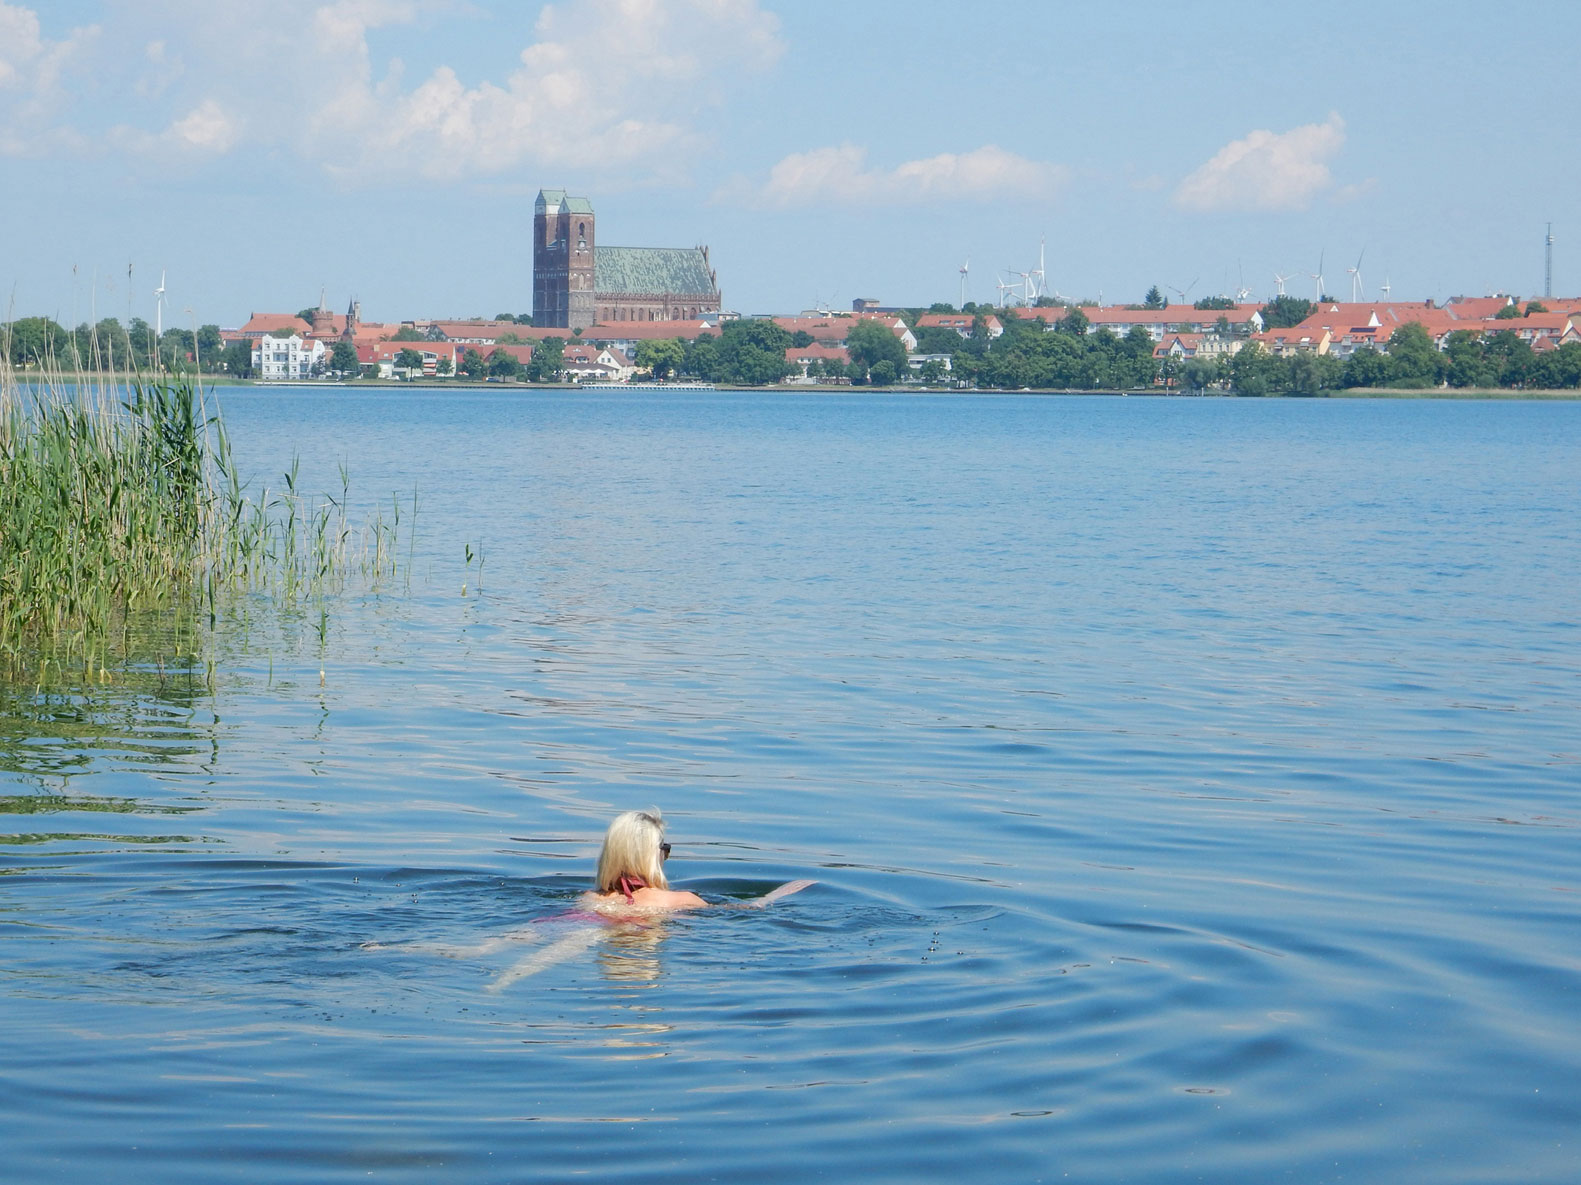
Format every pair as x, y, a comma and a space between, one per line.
577, 283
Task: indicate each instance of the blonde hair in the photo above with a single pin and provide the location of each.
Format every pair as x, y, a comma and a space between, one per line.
631, 848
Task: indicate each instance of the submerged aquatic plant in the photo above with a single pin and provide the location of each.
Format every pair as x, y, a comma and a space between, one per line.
120, 502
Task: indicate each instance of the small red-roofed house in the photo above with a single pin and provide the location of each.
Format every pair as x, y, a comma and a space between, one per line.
962, 323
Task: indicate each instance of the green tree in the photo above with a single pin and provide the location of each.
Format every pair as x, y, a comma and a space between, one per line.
236, 359
870, 342
1284, 311
209, 340
937, 339
1366, 368
406, 333
343, 358
661, 357
1208, 303
1535, 306
502, 364
1256, 372
1198, 374
1513, 357
801, 339
443, 367
510, 339
883, 373
1413, 359
1075, 323
752, 353
1309, 374
472, 364
1154, 299
702, 358
1560, 369
34, 340
409, 360
1466, 361
1508, 313
548, 360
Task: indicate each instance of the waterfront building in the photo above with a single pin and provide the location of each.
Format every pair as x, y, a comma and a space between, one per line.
287, 356
577, 283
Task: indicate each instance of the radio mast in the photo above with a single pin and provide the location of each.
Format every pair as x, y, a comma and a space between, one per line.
1548, 265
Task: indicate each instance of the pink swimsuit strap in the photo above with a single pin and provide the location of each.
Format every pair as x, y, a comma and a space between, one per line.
626, 884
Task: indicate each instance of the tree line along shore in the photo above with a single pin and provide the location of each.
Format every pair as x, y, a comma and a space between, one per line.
986, 349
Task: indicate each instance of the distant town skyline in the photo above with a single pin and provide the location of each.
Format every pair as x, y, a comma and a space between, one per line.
391, 150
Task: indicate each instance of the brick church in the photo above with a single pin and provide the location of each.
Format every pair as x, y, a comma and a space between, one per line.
576, 283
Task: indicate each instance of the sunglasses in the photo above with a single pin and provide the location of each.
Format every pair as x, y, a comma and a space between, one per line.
664, 851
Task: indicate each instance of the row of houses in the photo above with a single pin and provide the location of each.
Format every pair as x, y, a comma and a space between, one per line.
292, 347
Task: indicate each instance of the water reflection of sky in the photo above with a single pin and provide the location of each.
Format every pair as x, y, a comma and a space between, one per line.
1188, 779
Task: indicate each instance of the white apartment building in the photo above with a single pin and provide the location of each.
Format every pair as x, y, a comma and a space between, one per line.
286, 357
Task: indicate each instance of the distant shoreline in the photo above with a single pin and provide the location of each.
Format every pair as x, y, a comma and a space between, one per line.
1459, 394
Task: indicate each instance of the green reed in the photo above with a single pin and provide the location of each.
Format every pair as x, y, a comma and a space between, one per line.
120, 500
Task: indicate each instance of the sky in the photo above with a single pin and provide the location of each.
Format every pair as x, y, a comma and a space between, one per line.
257, 156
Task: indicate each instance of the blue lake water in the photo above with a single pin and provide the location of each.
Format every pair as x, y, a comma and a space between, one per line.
1191, 788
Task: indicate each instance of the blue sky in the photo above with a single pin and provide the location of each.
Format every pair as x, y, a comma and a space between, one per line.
391, 149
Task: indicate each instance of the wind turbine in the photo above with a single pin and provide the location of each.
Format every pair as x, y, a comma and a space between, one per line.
159, 316
1243, 291
1385, 288
1317, 288
1183, 293
1355, 278
965, 267
1280, 280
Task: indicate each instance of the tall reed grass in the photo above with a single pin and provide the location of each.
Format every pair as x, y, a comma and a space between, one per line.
119, 498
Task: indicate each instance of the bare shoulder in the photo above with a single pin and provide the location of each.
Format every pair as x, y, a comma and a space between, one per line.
644, 899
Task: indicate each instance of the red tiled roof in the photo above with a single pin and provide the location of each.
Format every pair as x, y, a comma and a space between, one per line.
259, 324
646, 330
1474, 308
809, 353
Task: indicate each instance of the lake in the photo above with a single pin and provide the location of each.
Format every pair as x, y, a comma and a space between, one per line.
1191, 788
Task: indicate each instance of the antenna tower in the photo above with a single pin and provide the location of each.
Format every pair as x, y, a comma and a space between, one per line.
1548, 265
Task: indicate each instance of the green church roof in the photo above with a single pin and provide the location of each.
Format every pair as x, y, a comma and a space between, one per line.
650, 271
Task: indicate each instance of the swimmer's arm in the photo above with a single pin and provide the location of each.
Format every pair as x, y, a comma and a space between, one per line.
772, 895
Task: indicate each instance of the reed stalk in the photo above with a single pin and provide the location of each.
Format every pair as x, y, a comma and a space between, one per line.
120, 499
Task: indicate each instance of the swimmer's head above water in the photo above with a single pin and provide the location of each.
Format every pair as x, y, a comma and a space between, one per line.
631, 870
633, 854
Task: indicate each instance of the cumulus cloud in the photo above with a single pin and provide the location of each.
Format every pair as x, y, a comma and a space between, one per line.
620, 78
841, 175
206, 127
1267, 170
31, 65
625, 83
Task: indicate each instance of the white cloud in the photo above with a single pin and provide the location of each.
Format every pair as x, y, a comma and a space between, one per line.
841, 175
622, 83
31, 96
619, 80
206, 127
1267, 170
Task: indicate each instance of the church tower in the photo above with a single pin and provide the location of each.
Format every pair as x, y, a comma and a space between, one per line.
562, 261
548, 261
581, 307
